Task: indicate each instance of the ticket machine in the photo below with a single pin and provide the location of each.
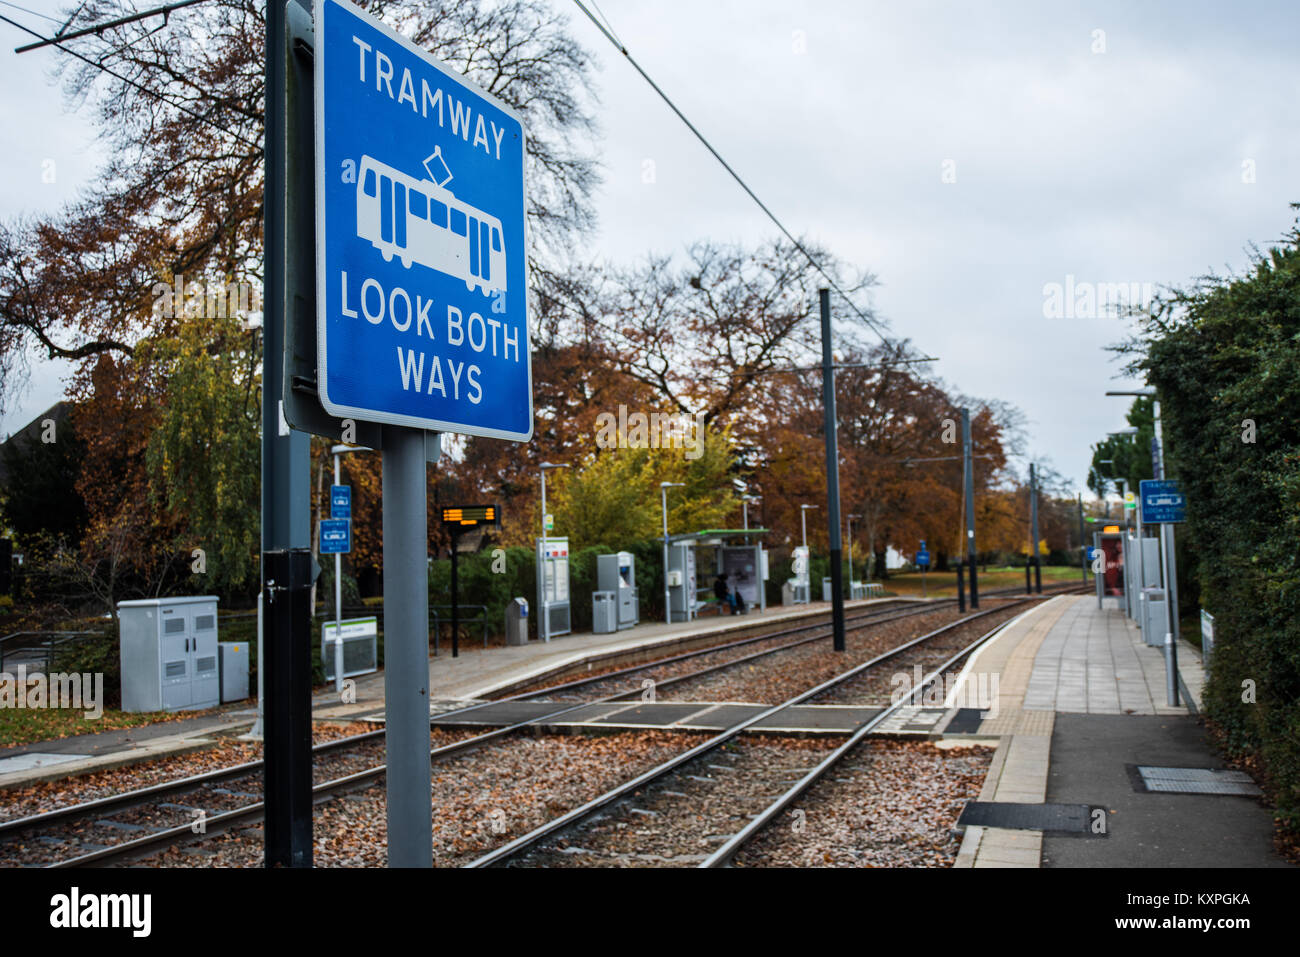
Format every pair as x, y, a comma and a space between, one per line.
617, 574
683, 602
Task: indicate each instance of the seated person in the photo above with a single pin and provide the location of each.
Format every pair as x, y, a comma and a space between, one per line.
723, 592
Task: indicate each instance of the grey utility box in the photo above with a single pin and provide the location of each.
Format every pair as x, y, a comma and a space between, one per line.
168, 652
517, 622
234, 670
604, 612
617, 573
1155, 616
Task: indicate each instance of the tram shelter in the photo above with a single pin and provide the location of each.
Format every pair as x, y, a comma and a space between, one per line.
696, 558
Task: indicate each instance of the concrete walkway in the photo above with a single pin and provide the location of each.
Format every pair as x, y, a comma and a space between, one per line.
1082, 703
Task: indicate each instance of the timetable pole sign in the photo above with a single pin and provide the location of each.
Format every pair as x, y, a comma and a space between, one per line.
421, 316
340, 508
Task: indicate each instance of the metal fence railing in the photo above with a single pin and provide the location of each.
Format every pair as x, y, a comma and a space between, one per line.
30, 647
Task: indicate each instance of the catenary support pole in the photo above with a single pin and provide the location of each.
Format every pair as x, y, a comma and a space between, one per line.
1033, 522
285, 517
968, 468
961, 589
832, 475
406, 649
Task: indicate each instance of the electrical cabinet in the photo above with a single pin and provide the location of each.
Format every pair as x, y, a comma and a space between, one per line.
168, 652
234, 670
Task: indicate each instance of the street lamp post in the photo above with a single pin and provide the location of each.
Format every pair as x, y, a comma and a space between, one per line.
544, 622
663, 494
744, 504
803, 522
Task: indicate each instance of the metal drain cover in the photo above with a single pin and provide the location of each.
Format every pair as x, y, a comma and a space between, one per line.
1067, 818
1197, 781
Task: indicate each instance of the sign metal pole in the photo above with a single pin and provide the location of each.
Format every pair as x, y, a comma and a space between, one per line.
406, 650
1171, 578
338, 603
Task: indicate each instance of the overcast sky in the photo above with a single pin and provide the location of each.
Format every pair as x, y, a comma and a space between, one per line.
968, 154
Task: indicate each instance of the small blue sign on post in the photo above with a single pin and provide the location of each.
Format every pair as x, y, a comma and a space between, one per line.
1163, 502
923, 556
335, 536
340, 501
421, 275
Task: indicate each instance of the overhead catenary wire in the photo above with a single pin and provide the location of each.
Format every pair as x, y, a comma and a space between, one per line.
871, 323
35, 13
98, 28
59, 42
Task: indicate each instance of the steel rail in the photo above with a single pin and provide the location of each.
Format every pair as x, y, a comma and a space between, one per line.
586, 810
224, 820
139, 796
870, 620
732, 846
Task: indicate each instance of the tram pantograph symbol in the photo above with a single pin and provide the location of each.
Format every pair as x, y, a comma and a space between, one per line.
422, 222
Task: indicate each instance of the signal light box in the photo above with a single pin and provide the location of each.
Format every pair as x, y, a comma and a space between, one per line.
421, 279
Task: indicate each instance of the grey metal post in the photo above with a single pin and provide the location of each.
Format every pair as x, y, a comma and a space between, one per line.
668, 608
668, 605
406, 649
968, 467
338, 604
1083, 547
1141, 553
285, 508
1033, 522
543, 623
832, 475
1170, 570
744, 506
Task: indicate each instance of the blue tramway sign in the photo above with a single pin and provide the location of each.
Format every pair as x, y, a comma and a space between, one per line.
340, 501
335, 536
1163, 501
421, 246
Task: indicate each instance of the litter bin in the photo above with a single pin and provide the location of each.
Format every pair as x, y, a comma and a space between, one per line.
826, 588
517, 622
604, 612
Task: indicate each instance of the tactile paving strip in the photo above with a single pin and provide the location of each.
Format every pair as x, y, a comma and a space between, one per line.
1197, 781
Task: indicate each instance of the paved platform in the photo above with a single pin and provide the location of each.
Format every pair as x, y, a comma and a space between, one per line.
1081, 706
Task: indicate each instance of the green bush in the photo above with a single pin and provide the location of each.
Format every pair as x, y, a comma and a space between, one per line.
1225, 358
